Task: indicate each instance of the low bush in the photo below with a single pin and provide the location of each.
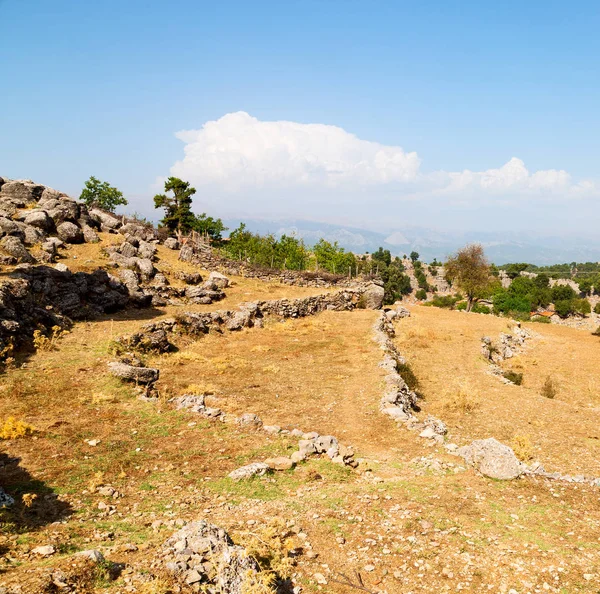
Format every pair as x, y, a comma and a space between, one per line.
13, 429
548, 389
522, 447
541, 320
408, 375
513, 377
480, 308
421, 294
444, 301
597, 308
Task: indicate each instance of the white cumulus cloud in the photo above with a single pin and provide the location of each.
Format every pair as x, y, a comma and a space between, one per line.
238, 151
245, 167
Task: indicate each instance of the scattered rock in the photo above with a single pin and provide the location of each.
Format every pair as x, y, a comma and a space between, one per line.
248, 471
218, 279
44, 551
493, 459
69, 232
372, 297
140, 375
279, 463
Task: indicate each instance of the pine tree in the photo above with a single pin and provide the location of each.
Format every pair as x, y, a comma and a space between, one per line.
179, 217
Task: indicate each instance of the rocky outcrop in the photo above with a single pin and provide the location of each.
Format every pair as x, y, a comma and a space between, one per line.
202, 553
40, 296
492, 459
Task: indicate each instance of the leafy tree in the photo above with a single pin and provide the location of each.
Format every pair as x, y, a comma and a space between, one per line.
414, 256
514, 270
383, 256
209, 226
562, 293
395, 283
102, 194
469, 270
542, 280
179, 217
332, 257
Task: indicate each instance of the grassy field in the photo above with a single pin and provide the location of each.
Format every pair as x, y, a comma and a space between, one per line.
411, 518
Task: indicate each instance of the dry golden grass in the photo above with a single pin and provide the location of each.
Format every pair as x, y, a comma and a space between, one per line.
565, 428
319, 373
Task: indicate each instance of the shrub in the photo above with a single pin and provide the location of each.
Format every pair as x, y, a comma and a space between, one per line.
463, 400
548, 388
408, 375
582, 306
513, 377
462, 306
541, 320
564, 307
519, 316
421, 294
563, 293
480, 308
446, 301
12, 429
597, 308
522, 447
48, 343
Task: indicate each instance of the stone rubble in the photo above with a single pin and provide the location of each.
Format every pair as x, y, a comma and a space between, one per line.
203, 555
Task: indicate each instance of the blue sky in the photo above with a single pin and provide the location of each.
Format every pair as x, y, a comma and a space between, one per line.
101, 88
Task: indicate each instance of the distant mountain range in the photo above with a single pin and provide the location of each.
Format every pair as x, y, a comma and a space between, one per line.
500, 247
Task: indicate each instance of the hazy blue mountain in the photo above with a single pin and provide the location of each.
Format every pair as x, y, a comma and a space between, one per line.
501, 247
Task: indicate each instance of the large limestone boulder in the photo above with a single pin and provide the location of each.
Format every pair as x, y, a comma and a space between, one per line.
493, 459
15, 248
39, 219
69, 232
9, 227
218, 279
139, 375
373, 296
107, 221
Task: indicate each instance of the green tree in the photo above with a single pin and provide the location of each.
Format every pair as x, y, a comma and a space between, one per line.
102, 194
332, 257
179, 217
209, 226
414, 256
469, 270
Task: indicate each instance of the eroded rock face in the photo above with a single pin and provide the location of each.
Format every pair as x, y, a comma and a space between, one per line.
493, 459
204, 553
